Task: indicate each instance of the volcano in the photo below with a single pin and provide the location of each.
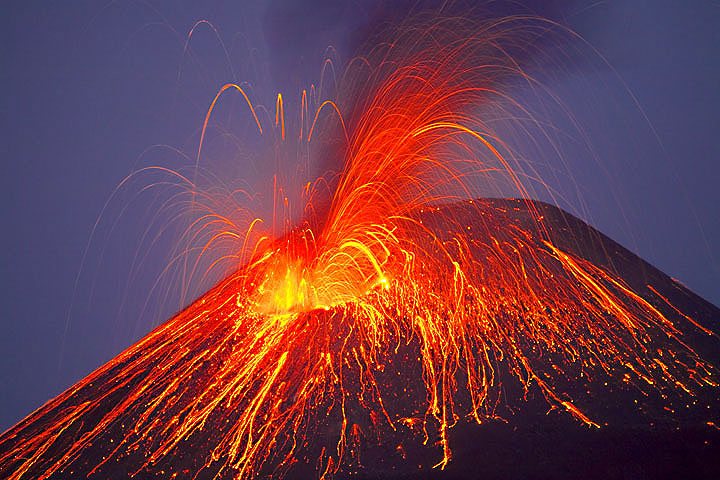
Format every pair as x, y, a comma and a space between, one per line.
186, 401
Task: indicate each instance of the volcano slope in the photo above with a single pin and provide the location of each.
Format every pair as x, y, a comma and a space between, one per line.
185, 401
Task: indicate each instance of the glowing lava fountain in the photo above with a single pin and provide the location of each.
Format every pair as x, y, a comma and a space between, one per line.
384, 314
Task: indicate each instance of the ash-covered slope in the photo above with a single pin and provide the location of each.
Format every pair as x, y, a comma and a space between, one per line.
123, 420
632, 443
571, 234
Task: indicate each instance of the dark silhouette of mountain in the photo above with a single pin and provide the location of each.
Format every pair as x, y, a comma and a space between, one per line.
91, 429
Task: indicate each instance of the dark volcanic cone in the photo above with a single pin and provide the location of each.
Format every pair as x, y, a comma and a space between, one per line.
172, 406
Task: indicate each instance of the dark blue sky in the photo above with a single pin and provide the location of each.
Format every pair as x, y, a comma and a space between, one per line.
87, 87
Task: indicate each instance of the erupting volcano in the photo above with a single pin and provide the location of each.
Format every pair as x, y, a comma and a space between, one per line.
400, 313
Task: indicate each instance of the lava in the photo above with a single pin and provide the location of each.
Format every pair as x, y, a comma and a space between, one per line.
318, 327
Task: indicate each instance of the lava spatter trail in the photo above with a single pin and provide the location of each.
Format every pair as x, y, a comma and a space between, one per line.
391, 314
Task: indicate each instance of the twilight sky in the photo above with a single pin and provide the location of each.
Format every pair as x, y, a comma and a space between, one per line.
91, 91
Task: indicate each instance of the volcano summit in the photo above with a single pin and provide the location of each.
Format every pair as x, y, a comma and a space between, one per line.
221, 392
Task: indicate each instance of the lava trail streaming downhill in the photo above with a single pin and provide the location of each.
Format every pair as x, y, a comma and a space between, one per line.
389, 315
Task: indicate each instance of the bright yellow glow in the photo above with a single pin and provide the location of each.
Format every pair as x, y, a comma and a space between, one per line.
287, 290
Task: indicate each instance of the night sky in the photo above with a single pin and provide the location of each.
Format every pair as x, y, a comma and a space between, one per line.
92, 91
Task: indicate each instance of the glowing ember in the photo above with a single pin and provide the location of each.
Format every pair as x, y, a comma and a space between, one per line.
322, 322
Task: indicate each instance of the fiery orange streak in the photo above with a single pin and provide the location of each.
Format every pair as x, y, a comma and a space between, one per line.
280, 115
212, 106
317, 114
